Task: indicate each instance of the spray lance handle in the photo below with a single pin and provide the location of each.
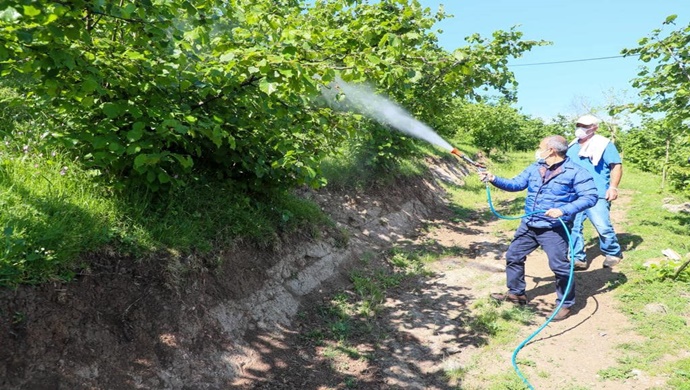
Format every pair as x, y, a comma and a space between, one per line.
478, 166
463, 156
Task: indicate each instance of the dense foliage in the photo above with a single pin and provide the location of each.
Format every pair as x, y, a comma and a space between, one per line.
164, 92
662, 143
498, 127
224, 98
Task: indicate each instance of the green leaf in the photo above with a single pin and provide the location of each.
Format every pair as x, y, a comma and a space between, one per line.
328, 76
670, 19
268, 87
30, 10
99, 142
384, 40
9, 15
176, 125
89, 85
88, 101
139, 161
128, 10
116, 147
290, 51
134, 55
112, 110
414, 75
286, 72
460, 56
373, 59
189, 8
133, 149
25, 36
163, 177
50, 19
135, 111
185, 161
137, 132
227, 57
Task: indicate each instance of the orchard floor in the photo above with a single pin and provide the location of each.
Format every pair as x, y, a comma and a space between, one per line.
422, 339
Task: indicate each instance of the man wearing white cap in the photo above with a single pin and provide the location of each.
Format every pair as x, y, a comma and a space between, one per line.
600, 157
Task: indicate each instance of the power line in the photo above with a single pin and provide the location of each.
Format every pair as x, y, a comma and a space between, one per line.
578, 60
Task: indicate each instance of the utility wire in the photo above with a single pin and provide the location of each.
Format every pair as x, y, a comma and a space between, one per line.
578, 60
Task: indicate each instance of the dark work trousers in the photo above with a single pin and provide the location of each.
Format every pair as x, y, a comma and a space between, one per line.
554, 241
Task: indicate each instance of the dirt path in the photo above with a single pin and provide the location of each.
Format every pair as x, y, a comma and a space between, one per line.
425, 331
566, 354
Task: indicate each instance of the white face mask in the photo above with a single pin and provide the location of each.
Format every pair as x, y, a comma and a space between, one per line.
581, 132
538, 157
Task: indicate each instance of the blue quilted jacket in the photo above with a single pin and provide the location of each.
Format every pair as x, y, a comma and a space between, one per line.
571, 189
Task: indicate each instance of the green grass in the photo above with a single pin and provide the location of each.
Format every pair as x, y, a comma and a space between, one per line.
53, 213
49, 214
658, 306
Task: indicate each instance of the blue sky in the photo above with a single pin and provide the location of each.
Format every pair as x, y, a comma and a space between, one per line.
579, 30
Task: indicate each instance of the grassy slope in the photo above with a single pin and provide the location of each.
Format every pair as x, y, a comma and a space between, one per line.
51, 212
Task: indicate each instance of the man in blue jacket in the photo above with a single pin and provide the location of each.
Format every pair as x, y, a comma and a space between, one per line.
556, 188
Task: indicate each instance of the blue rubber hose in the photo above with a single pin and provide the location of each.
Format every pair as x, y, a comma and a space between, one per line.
567, 288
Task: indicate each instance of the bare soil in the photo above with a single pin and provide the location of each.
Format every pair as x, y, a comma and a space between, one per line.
422, 333
123, 326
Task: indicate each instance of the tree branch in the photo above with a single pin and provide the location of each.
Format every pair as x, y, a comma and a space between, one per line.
243, 84
119, 17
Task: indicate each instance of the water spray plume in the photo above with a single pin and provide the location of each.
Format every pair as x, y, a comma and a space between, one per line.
362, 99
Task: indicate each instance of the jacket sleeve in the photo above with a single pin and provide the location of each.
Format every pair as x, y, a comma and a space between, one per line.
586, 191
518, 183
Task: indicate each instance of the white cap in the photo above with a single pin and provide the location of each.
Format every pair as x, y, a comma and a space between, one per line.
588, 120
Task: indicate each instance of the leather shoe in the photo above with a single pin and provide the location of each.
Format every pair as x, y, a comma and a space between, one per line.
562, 314
610, 261
580, 264
512, 298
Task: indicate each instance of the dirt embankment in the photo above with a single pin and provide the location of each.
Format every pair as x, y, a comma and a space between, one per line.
121, 324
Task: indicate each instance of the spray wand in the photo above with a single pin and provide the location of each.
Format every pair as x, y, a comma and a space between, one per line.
468, 160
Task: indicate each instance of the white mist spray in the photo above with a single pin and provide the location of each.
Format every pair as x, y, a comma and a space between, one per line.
364, 100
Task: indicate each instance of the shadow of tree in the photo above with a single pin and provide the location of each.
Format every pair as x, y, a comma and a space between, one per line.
627, 242
335, 351
29, 256
680, 220
587, 284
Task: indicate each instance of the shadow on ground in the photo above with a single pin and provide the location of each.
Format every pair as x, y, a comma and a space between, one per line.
330, 350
